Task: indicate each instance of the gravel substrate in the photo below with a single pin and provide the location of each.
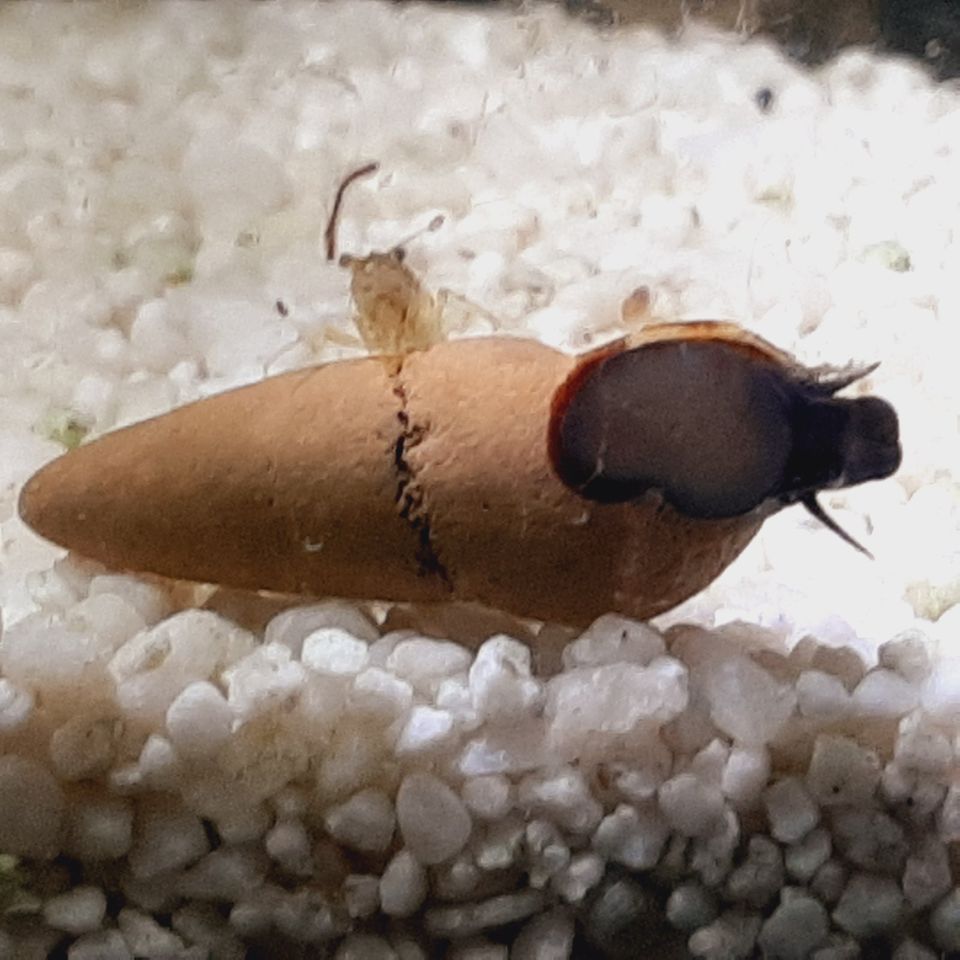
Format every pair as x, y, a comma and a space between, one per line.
191, 772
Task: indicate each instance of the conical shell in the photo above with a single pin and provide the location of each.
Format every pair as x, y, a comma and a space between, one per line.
355, 480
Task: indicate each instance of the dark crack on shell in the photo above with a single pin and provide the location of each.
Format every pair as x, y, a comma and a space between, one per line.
409, 496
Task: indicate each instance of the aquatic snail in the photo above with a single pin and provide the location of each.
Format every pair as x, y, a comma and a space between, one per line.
494, 469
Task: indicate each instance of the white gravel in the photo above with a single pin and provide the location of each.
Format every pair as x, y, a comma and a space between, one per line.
780, 753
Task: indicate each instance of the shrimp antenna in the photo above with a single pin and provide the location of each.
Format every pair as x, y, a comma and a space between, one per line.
435, 224
811, 503
330, 234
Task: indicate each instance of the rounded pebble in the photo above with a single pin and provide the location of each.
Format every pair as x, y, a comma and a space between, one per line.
79, 911
945, 921
31, 809
869, 906
433, 820
794, 929
403, 886
691, 906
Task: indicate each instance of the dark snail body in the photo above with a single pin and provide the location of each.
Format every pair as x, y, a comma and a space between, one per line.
717, 427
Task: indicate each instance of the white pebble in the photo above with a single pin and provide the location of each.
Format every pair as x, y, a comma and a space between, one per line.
711, 855
103, 945
100, 829
497, 846
745, 775
829, 881
381, 694
916, 795
908, 654
791, 811
640, 780
805, 857
152, 895
746, 702
244, 824
883, 693
167, 840
708, 763
478, 949
842, 772
333, 651
361, 894
730, 937
16, 706
563, 795
264, 679
433, 821
94, 400
383, 647
424, 663
870, 906
464, 920
945, 921
364, 946
821, 695
155, 339
319, 708
288, 843
158, 764
948, 819
199, 720
940, 693
427, 730
292, 627
794, 930
757, 881
403, 886
838, 946
203, 925
153, 667
612, 639
488, 798
16, 268
352, 761
632, 837
922, 747
691, 806
227, 873
291, 803
83, 747
691, 906
50, 659
911, 950
505, 750
574, 881
926, 876
145, 937
112, 619
79, 911
545, 937
588, 704
547, 851
31, 808
364, 822
151, 602
453, 695
407, 948
501, 686
457, 879
870, 839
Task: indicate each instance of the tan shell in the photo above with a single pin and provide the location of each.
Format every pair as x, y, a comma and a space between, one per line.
431, 483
